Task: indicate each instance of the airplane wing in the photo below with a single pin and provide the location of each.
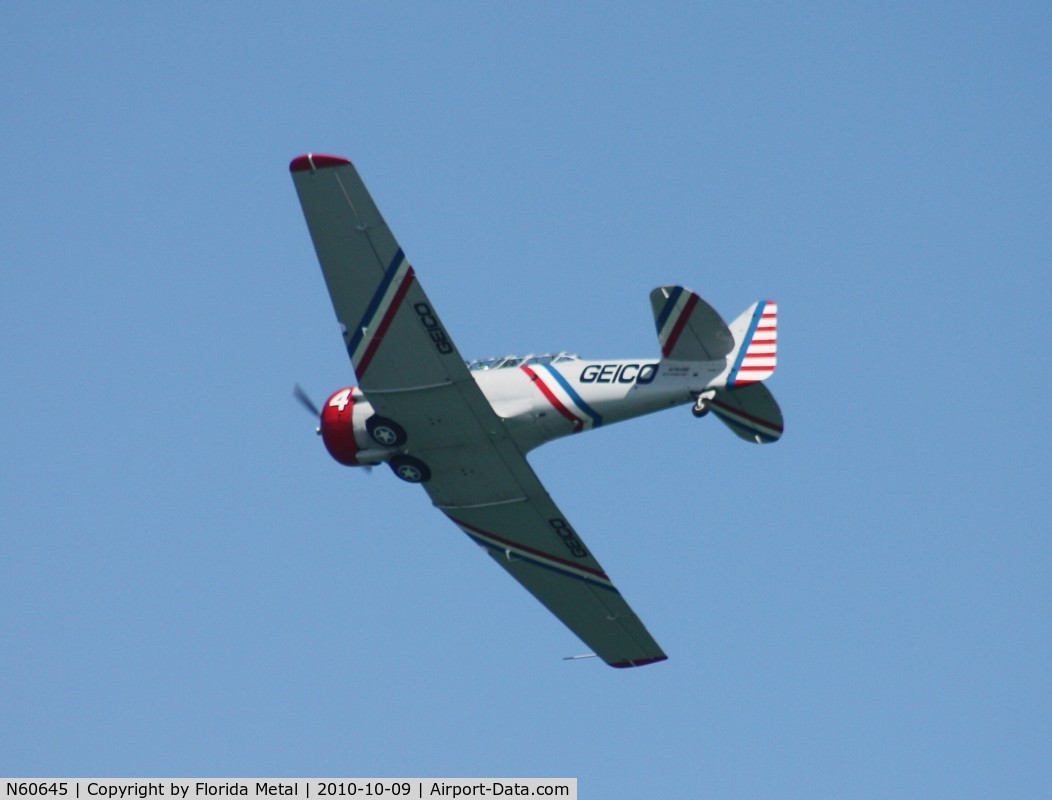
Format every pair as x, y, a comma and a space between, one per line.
393, 336
526, 533
411, 372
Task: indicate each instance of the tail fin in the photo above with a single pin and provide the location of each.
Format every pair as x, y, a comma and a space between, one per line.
754, 356
688, 328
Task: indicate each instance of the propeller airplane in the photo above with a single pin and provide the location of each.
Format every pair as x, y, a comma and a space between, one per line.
462, 429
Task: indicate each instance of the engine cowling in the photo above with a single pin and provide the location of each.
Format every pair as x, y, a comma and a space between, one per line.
343, 428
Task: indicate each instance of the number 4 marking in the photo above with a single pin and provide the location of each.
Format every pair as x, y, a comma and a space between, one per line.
340, 399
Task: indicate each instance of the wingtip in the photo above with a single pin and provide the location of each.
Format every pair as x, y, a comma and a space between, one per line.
640, 663
312, 162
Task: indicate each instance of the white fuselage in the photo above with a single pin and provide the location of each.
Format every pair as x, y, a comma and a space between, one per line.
544, 401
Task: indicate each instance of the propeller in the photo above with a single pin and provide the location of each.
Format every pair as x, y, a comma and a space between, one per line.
305, 401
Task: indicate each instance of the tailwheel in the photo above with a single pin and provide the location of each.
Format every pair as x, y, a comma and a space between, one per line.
410, 469
701, 405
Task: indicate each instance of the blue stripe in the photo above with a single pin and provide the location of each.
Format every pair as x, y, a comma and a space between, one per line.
667, 310
374, 304
757, 314
519, 556
581, 404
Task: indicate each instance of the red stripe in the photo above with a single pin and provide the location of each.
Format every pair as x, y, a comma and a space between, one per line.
756, 376
737, 413
370, 351
670, 343
315, 161
577, 422
540, 554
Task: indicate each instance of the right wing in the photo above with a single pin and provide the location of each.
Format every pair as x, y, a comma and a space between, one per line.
392, 334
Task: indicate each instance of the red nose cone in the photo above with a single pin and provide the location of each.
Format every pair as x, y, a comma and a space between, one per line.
337, 429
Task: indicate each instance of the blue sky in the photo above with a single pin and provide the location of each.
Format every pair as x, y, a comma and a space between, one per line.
191, 587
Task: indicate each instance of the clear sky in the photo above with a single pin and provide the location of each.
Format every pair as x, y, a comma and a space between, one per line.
192, 587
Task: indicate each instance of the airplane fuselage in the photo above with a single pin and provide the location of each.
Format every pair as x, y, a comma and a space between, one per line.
544, 401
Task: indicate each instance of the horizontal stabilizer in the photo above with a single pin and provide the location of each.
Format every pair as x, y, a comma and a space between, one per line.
751, 412
688, 328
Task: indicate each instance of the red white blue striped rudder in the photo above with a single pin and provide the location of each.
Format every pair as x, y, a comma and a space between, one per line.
756, 344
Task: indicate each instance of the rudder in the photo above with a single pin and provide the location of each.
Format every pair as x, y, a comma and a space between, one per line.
756, 345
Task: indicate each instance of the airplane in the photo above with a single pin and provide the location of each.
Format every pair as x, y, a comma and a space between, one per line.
462, 429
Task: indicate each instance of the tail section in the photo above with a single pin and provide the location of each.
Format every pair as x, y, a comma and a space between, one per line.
754, 356
744, 404
688, 328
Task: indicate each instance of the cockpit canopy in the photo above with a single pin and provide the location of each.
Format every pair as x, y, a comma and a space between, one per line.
519, 361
